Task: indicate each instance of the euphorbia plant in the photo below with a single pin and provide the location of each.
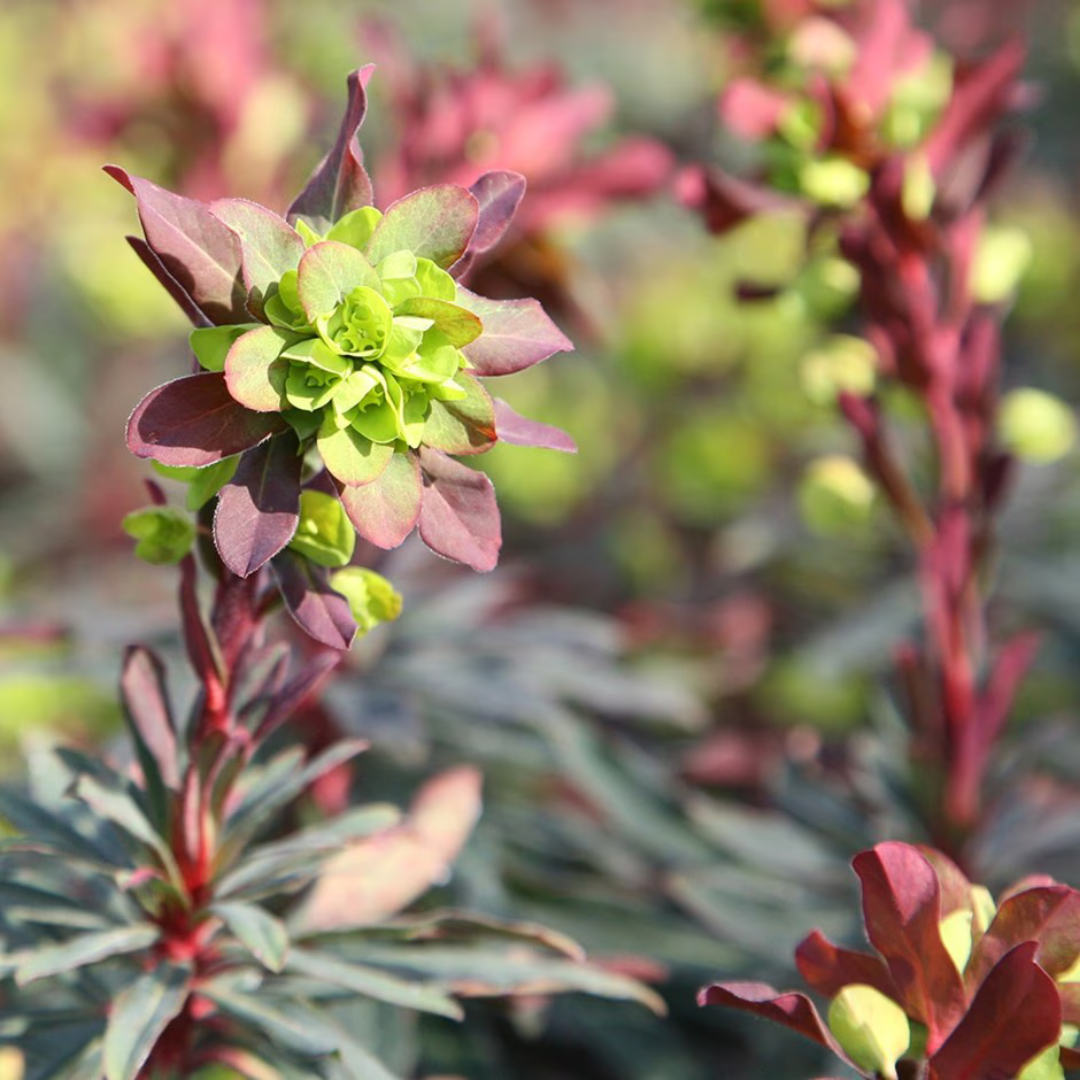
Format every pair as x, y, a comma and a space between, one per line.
958, 988
161, 920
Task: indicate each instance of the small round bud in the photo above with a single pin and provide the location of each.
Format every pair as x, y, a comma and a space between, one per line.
1036, 426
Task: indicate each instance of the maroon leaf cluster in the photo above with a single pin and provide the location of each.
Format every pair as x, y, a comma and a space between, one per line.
984, 1023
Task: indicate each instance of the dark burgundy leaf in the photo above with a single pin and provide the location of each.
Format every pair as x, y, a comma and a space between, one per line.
955, 888
201, 645
902, 912
385, 511
795, 1011
499, 195
512, 427
1015, 1015
459, 517
259, 509
297, 693
195, 421
1048, 916
340, 183
318, 610
517, 334
827, 968
201, 253
142, 683
725, 201
172, 286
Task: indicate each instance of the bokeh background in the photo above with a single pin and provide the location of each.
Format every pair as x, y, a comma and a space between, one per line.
676, 681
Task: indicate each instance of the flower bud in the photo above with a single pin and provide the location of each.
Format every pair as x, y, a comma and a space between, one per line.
372, 599
871, 1028
836, 495
1036, 426
325, 534
163, 535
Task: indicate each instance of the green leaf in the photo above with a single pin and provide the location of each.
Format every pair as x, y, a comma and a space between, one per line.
372, 599
460, 326
349, 456
211, 344
163, 534
138, 1017
436, 223
871, 1028
465, 426
356, 227
328, 273
294, 1029
255, 370
374, 983
257, 930
82, 950
325, 535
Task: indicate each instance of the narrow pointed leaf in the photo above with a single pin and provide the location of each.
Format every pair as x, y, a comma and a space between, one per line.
255, 369
459, 517
434, 223
465, 426
374, 983
385, 511
146, 698
195, 421
1015, 1014
340, 183
328, 273
902, 912
511, 427
257, 513
517, 334
269, 245
201, 253
85, 949
257, 930
318, 610
138, 1017
171, 285
289, 1025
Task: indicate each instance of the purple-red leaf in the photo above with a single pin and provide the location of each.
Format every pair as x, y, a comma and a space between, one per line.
499, 194
298, 692
459, 517
902, 912
318, 610
259, 509
269, 245
827, 968
795, 1011
195, 421
434, 223
385, 511
171, 285
512, 427
142, 683
201, 253
340, 183
465, 426
1015, 1015
1049, 916
517, 334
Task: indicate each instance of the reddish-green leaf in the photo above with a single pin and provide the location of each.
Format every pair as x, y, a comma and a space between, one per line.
385, 511
517, 334
269, 245
349, 456
1015, 1015
318, 610
255, 370
459, 326
138, 1017
258, 511
459, 517
435, 223
902, 912
196, 421
511, 427
340, 183
201, 253
328, 273
465, 426
142, 683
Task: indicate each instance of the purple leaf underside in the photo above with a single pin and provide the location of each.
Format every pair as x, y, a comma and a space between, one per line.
259, 509
512, 427
195, 421
340, 182
459, 517
517, 334
385, 511
201, 253
170, 284
319, 611
498, 194
142, 683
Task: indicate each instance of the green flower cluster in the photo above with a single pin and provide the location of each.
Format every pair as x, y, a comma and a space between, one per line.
356, 349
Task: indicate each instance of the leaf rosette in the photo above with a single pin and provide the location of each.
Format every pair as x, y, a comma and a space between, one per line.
337, 350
